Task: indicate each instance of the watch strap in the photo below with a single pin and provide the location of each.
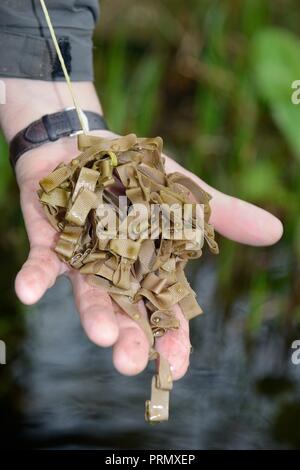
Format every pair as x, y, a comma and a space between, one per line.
50, 128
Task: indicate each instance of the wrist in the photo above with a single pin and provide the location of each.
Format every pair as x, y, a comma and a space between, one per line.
38, 162
28, 100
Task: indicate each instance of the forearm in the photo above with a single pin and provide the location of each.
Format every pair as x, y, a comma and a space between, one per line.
28, 100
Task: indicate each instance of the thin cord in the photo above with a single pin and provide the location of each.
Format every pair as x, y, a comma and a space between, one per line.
63, 66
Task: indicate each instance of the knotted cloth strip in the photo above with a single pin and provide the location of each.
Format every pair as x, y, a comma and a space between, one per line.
130, 227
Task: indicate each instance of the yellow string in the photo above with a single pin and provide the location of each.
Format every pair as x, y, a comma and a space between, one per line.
63, 66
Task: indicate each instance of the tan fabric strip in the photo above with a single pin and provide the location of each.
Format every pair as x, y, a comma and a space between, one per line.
57, 197
133, 267
87, 179
157, 409
85, 201
57, 177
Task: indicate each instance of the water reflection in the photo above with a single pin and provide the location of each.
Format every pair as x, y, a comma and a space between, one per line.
231, 398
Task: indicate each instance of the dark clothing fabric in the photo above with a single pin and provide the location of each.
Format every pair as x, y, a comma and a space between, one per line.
26, 50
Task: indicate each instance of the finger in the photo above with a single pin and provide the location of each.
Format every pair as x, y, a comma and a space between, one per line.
37, 274
40, 232
131, 351
175, 346
236, 219
42, 267
96, 311
244, 222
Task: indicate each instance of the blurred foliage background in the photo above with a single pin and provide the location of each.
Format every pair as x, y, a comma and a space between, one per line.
214, 79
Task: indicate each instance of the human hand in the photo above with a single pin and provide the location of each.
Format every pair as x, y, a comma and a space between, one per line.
103, 321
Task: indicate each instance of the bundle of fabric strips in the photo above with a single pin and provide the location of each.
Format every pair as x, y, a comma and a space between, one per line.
136, 249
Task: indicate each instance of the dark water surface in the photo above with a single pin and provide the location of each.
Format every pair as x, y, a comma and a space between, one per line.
70, 397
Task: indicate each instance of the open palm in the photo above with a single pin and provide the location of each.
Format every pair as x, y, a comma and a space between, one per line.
103, 321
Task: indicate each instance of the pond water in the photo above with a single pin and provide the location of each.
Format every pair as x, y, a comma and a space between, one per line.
67, 395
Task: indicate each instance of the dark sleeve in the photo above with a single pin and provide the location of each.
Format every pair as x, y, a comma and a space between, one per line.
26, 50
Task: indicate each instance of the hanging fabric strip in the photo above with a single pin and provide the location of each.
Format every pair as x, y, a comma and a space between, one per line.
130, 264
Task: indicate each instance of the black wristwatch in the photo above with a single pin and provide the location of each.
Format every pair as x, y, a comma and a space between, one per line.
52, 127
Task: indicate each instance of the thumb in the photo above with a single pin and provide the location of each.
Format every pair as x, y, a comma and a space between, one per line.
37, 274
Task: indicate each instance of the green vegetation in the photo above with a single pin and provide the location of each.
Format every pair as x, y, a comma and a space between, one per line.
214, 79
